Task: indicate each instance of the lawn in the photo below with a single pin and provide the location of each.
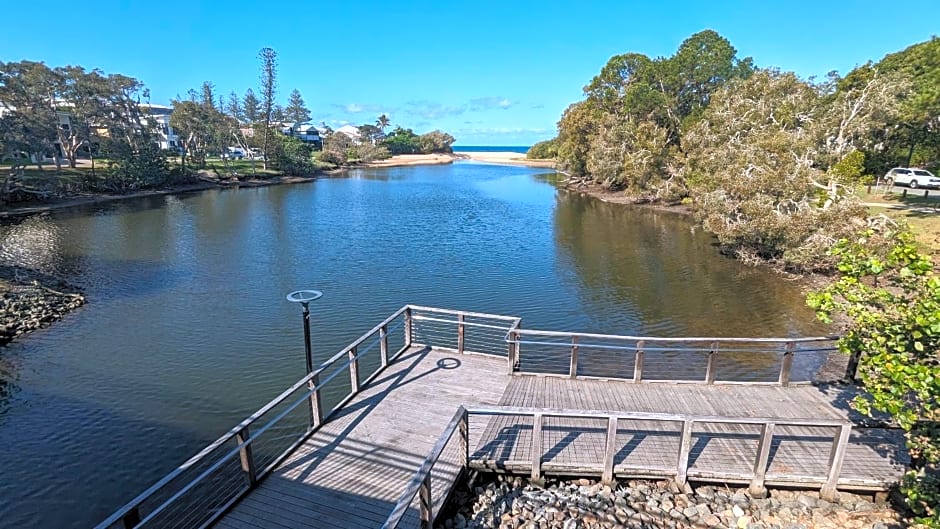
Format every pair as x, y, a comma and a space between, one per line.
922, 213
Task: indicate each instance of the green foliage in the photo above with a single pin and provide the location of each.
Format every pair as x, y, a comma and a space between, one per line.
851, 169
891, 297
628, 132
251, 107
402, 141
130, 168
543, 150
435, 142
293, 156
296, 111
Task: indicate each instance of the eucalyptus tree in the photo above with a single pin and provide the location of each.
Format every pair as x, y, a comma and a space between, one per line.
27, 93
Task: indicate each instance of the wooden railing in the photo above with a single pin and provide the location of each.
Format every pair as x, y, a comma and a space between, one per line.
652, 359
197, 492
462, 331
459, 431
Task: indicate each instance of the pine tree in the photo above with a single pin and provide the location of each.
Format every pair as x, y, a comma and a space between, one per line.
296, 111
251, 107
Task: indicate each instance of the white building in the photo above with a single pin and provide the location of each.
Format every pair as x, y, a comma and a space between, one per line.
304, 132
166, 136
351, 132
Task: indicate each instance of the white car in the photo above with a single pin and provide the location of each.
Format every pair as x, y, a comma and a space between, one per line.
912, 178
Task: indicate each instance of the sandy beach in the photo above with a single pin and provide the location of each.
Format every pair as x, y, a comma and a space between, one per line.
505, 158
402, 160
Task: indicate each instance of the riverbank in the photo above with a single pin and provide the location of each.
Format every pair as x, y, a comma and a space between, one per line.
30, 300
504, 158
512, 502
203, 184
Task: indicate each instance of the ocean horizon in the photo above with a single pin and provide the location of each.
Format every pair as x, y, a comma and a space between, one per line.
491, 148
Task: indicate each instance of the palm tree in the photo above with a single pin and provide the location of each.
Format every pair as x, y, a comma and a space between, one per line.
382, 123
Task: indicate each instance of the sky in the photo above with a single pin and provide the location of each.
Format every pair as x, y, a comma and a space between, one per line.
487, 72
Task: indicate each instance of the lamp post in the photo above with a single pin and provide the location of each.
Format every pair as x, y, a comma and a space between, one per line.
304, 297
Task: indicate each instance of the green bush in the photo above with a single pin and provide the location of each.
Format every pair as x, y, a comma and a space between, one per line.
543, 150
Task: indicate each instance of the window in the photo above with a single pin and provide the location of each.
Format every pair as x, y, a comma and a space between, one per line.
922, 173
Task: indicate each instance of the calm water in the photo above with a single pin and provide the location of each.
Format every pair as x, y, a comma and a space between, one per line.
489, 148
187, 330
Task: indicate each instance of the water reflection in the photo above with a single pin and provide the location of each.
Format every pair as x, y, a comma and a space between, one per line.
187, 331
654, 266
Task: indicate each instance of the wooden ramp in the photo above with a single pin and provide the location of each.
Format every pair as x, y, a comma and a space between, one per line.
352, 470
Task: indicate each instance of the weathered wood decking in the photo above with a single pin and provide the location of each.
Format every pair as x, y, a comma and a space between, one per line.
351, 471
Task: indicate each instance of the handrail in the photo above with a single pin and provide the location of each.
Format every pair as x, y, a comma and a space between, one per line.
420, 481
465, 313
625, 337
710, 346
129, 507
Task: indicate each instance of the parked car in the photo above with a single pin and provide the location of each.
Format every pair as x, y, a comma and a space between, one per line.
912, 177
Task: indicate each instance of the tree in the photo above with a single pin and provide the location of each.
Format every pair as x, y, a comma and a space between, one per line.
400, 141
251, 107
752, 164
543, 150
370, 134
296, 111
382, 123
268, 59
233, 107
28, 88
436, 142
891, 298
208, 95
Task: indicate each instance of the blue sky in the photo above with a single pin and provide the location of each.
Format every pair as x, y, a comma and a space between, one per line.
490, 73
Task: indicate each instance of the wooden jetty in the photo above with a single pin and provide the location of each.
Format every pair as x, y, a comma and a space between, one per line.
430, 394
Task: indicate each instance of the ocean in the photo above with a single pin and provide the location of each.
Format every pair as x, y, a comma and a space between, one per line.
490, 148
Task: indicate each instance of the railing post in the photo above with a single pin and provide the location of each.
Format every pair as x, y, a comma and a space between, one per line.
710, 370
638, 362
131, 519
425, 500
851, 369
465, 439
787, 365
757, 488
536, 447
513, 350
316, 402
354, 370
685, 446
836, 457
573, 369
460, 333
247, 459
610, 450
383, 345
409, 327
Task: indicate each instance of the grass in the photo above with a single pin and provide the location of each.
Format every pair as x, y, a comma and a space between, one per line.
921, 212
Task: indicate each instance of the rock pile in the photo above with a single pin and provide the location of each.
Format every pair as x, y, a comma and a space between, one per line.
511, 502
29, 300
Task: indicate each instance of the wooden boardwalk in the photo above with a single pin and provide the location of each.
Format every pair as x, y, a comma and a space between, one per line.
350, 472
720, 452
